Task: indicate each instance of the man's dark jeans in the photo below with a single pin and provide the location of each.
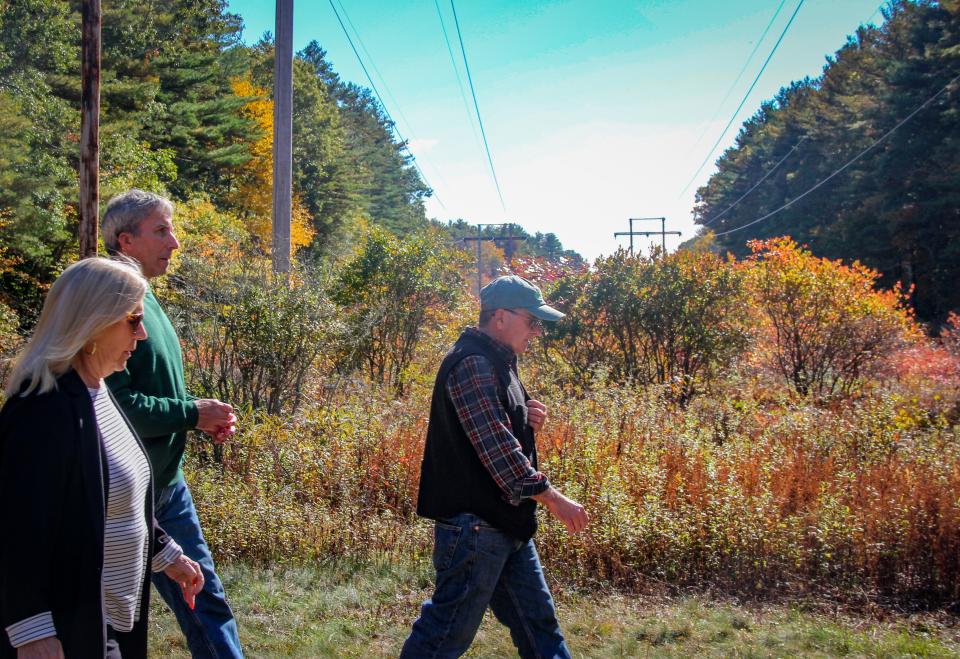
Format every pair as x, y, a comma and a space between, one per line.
477, 566
210, 628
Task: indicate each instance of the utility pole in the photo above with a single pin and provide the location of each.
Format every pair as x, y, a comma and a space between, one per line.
92, 19
480, 238
663, 233
282, 136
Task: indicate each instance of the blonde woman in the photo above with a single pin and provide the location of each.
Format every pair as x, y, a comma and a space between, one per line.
76, 491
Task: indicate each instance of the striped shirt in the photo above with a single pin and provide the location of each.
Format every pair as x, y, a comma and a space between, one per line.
472, 386
126, 535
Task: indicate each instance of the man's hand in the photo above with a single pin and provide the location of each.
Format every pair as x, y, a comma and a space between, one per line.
536, 414
214, 416
45, 648
568, 511
186, 572
222, 435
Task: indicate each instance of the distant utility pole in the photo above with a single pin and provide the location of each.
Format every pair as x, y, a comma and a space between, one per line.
663, 233
283, 136
91, 19
480, 238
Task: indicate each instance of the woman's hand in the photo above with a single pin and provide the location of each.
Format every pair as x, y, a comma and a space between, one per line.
186, 572
45, 648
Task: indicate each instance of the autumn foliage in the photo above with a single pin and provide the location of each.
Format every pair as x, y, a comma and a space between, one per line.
673, 320
702, 462
825, 324
254, 192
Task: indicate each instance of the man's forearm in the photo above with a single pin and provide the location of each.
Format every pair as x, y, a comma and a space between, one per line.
154, 416
572, 514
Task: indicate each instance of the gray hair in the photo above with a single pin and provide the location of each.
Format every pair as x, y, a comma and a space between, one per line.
125, 212
485, 317
88, 297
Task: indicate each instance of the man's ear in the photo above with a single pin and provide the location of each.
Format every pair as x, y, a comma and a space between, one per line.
123, 240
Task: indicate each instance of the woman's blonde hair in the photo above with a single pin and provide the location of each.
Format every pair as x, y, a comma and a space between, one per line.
88, 297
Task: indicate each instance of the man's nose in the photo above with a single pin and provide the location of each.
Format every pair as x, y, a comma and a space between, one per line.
173, 242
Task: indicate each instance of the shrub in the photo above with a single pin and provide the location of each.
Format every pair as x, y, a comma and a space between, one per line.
857, 501
340, 480
543, 271
10, 340
950, 334
825, 323
249, 337
667, 319
389, 292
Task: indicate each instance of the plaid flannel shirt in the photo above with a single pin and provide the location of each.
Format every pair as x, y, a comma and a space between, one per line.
472, 386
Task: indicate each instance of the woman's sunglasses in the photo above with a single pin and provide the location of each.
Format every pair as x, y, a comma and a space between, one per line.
134, 319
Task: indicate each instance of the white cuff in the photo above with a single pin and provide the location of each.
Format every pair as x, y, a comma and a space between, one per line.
31, 629
167, 557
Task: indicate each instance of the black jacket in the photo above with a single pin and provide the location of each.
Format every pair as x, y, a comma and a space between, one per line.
452, 477
53, 493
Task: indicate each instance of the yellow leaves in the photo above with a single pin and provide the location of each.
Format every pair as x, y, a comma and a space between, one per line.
301, 230
208, 232
254, 194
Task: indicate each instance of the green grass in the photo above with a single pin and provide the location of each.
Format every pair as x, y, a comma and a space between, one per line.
342, 610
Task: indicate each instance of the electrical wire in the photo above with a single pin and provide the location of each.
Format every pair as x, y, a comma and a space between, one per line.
874, 14
762, 179
373, 65
739, 75
393, 100
476, 106
383, 105
456, 72
848, 163
745, 97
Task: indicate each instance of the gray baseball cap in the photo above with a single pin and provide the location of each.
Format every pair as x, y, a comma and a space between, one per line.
515, 292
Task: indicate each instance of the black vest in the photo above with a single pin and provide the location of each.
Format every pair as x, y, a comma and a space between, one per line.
452, 478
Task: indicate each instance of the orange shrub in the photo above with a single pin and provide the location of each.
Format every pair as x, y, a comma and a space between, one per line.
825, 325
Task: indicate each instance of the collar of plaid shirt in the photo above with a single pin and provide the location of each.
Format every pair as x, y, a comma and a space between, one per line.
501, 349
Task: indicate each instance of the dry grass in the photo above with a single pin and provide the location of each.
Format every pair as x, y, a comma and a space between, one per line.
857, 502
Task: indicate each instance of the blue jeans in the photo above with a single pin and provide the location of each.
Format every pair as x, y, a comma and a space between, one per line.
477, 566
210, 628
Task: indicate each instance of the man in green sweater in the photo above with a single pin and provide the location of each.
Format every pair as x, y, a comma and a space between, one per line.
152, 393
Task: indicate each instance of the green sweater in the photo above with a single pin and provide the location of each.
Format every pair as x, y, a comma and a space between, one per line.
152, 393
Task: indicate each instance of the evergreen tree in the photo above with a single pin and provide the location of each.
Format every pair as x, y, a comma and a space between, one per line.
895, 208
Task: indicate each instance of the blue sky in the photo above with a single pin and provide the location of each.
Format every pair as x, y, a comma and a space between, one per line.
592, 108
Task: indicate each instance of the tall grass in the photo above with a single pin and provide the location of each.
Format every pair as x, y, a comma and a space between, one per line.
747, 494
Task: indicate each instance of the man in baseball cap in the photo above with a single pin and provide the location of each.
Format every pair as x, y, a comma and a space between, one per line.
479, 482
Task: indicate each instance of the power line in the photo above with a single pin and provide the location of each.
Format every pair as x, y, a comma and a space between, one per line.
739, 75
848, 163
466, 65
456, 72
875, 12
745, 97
386, 88
373, 65
762, 179
373, 86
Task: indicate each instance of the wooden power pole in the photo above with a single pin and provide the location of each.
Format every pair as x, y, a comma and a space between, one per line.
663, 233
480, 238
283, 136
92, 19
